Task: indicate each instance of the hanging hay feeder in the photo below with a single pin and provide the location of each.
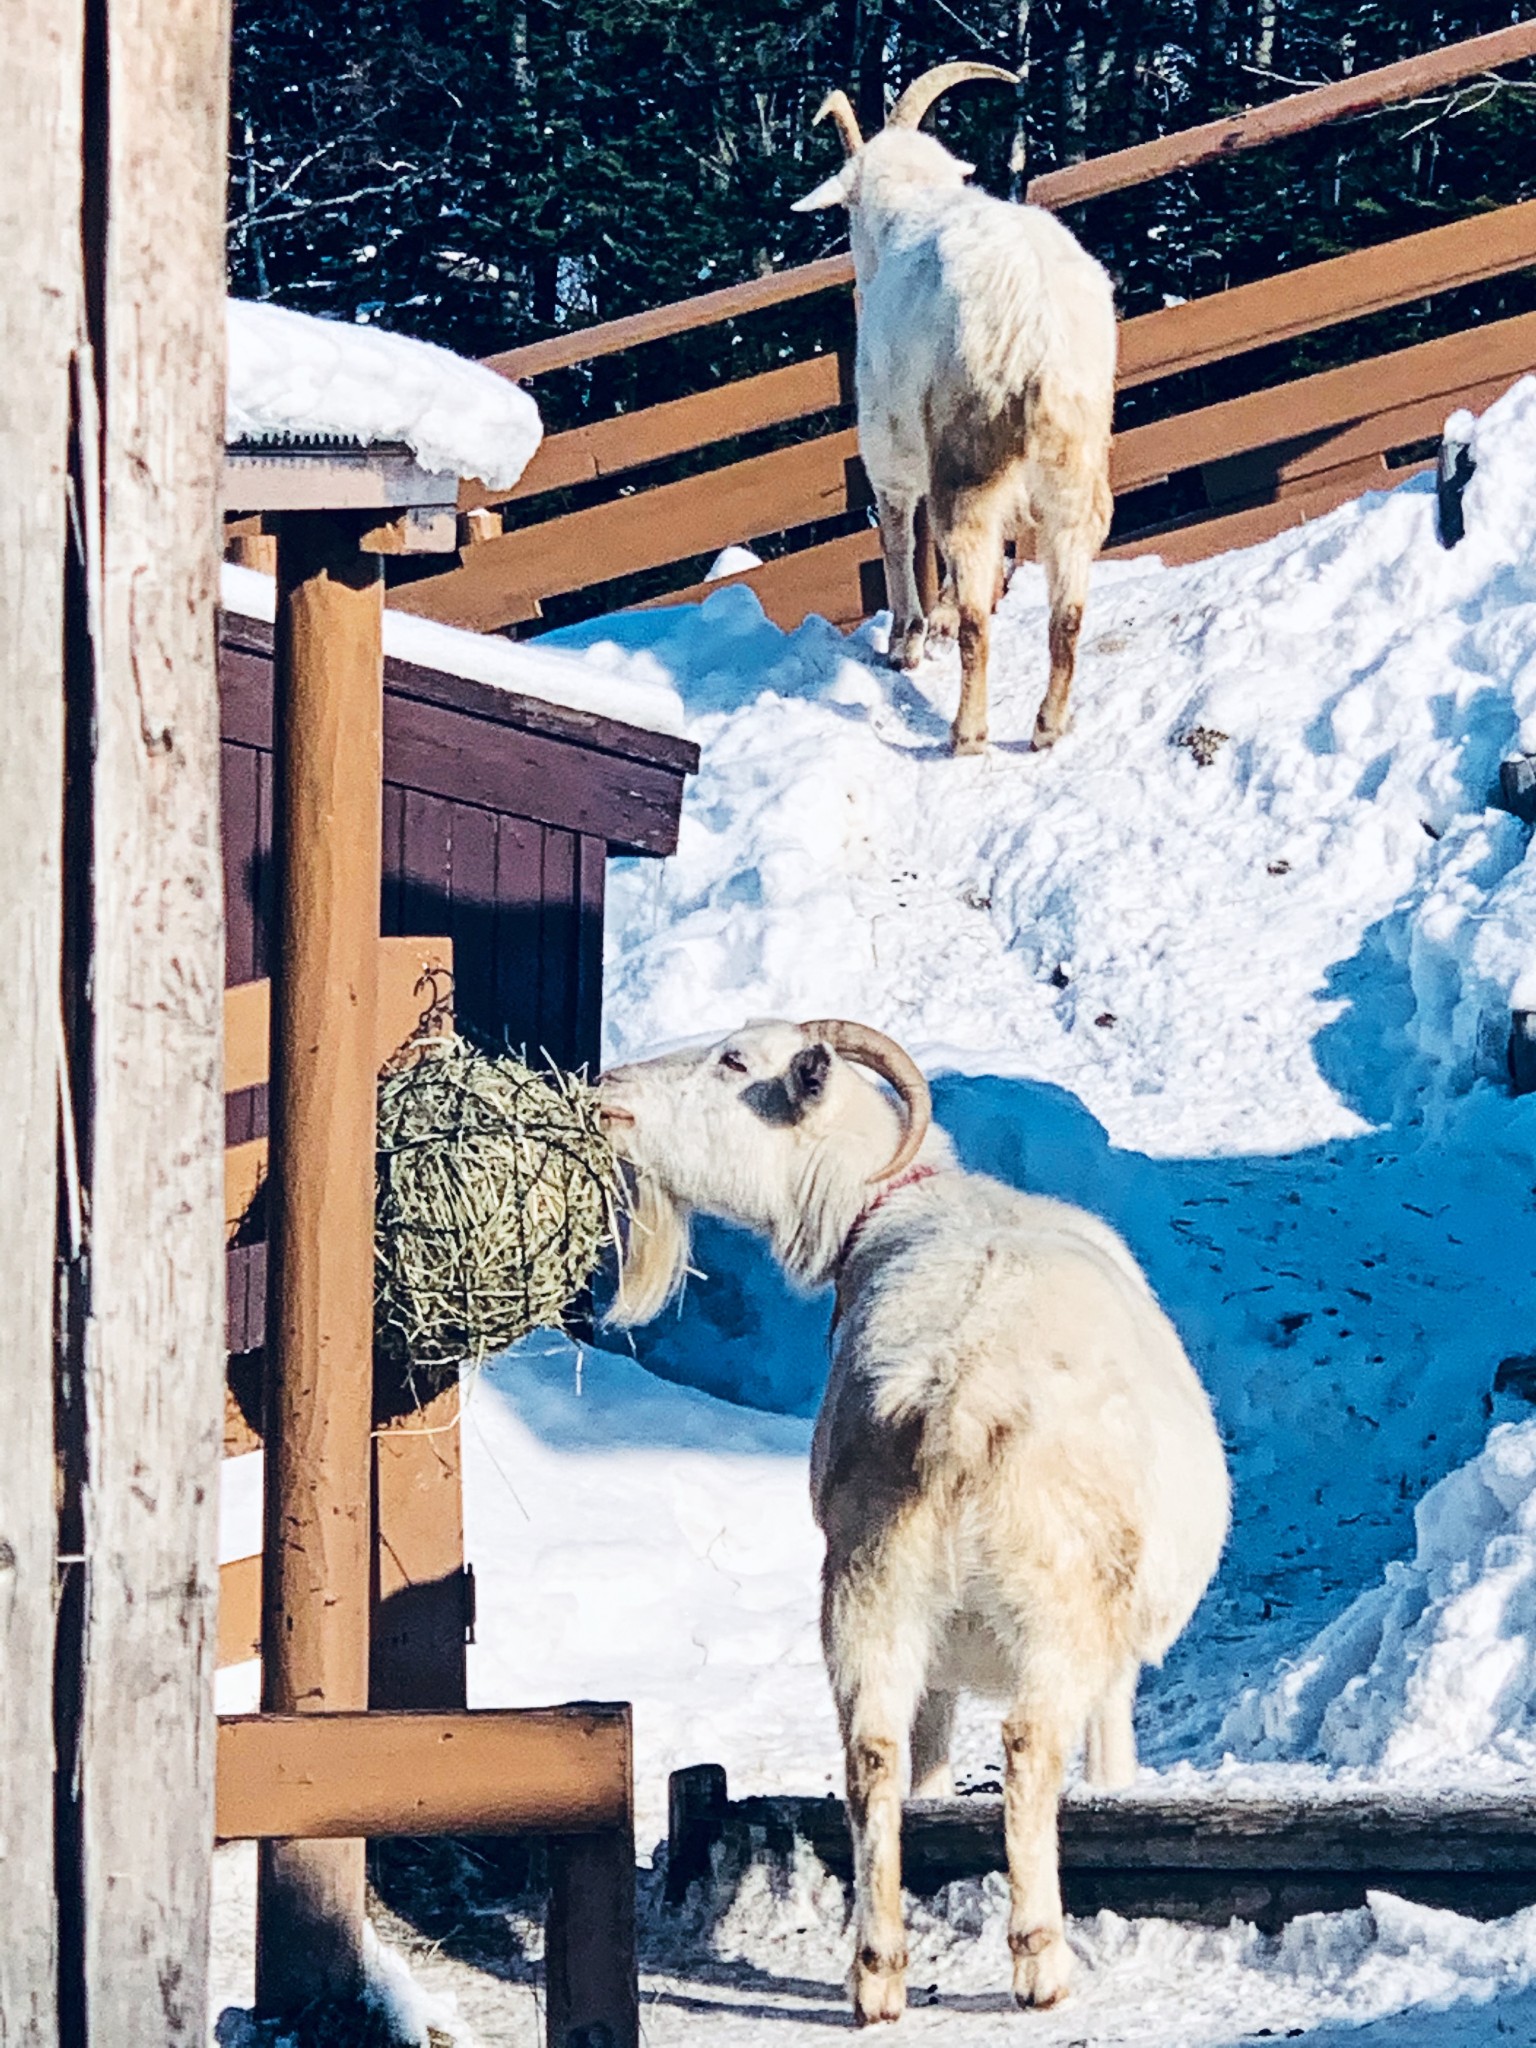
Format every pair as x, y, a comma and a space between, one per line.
496, 1196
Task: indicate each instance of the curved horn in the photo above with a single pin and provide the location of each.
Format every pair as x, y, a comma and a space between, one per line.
883, 1056
922, 92
839, 108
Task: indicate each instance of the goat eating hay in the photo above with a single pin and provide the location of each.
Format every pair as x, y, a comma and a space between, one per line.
496, 1195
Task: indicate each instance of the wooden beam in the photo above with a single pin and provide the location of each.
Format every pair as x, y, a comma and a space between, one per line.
40, 61
328, 781
240, 1609
1293, 115
538, 358
488, 1771
609, 447
823, 578
408, 970
1367, 395
501, 581
150, 897
1199, 1856
420, 1590
1325, 294
1199, 539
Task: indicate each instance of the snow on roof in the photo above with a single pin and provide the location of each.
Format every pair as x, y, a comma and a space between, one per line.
603, 679
291, 375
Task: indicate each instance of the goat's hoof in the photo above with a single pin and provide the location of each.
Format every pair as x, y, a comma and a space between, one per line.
879, 1987
1042, 1967
1047, 733
907, 645
966, 742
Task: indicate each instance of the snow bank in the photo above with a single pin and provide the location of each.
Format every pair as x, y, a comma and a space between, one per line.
291, 374
1437, 1664
603, 678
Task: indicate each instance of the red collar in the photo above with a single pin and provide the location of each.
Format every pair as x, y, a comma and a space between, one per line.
908, 1179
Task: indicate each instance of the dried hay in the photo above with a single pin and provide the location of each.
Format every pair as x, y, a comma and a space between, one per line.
497, 1192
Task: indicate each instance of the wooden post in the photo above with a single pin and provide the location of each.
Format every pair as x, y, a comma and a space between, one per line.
327, 759
141, 1379
420, 1589
39, 247
591, 1992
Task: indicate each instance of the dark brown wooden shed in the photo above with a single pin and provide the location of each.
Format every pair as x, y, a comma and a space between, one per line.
500, 812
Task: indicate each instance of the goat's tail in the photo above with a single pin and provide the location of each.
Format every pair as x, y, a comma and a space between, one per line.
965, 1416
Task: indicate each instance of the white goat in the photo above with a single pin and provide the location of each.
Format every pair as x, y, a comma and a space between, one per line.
985, 377
1015, 1468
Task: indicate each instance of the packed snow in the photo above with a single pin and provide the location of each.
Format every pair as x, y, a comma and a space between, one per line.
1233, 966
602, 678
293, 376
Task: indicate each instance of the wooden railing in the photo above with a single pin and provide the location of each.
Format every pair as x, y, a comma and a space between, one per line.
1261, 462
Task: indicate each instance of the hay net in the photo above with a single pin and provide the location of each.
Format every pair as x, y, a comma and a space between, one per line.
496, 1195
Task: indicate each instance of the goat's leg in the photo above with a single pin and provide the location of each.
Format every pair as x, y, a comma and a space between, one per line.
876, 1645
1073, 507
897, 544
932, 1777
1111, 1757
974, 548
1035, 1743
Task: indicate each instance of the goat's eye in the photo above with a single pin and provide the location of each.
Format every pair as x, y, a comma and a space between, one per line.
733, 1061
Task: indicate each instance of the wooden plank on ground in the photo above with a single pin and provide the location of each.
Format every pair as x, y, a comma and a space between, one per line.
502, 581
1293, 115
822, 579
486, 1771
1369, 393
40, 60
157, 119
538, 358
1202, 1857
609, 447
1325, 294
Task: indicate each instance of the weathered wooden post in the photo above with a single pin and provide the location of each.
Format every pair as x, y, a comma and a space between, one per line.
39, 246
328, 776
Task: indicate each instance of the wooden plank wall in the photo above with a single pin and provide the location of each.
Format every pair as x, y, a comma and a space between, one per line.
503, 578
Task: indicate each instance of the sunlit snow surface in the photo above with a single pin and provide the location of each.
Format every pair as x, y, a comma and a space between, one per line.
1253, 1012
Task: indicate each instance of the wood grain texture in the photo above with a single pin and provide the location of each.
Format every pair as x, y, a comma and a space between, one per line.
417, 1650
500, 582
40, 59
1198, 539
156, 115
327, 761
1293, 115
482, 1772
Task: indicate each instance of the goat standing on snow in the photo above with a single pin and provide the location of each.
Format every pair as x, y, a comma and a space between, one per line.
1015, 1468
985, 378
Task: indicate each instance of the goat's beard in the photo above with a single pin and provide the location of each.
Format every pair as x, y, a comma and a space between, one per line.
654, 1256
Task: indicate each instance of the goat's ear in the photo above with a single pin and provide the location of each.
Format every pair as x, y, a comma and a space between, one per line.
805, 1080
831, 192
